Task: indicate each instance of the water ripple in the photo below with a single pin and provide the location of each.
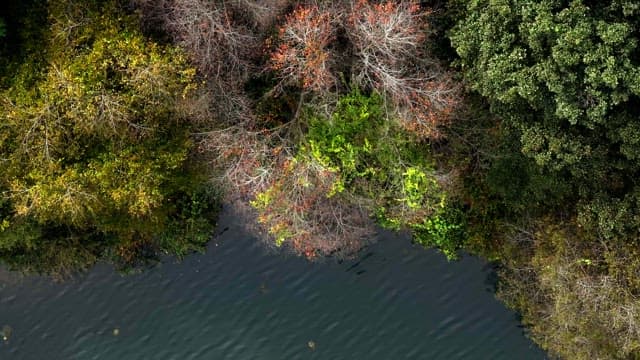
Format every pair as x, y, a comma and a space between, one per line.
239, 301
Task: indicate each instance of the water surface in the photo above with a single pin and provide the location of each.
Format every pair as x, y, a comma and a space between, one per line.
240, 301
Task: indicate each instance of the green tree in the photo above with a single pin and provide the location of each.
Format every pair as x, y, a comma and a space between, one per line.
566, 76
563, 77
94, 147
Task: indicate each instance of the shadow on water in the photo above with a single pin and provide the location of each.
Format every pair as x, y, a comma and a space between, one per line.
240, 301
491, 281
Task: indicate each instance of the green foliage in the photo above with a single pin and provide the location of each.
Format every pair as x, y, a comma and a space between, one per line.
189, 227
563, 218
444, 230
343, 142
377, 160
498, 185
566, 76
94, 147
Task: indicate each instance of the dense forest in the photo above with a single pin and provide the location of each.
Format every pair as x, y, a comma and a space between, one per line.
507, 129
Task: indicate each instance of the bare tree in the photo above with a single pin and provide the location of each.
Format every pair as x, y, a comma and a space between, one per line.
297, 209
388, 39
219, 46
248, 158
290, 193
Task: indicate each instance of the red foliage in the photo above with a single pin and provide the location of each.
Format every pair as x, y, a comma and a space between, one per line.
302, 58
387, 54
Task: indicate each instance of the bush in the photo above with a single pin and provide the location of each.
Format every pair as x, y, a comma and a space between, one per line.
357, 160
578, 296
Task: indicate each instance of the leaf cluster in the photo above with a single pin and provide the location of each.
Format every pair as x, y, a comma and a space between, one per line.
377, 160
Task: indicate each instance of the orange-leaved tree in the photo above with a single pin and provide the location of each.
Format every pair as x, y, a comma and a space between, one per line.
303, 57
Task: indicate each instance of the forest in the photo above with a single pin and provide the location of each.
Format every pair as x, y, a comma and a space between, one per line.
507, 129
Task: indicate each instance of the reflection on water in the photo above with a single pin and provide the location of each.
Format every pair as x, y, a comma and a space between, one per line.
238, 301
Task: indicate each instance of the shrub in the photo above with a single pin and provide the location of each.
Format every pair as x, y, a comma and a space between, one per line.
353, 165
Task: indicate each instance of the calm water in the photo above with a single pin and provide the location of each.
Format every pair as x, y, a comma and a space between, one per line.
239, 301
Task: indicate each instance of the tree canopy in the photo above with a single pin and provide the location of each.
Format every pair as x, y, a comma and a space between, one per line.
124, 122
566, 75
563, 79
93, 141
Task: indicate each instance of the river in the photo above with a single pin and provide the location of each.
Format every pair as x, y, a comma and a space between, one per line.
240, 301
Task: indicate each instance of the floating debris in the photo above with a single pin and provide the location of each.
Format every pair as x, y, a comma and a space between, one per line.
6, 332
116, 332
263, 288
311, 344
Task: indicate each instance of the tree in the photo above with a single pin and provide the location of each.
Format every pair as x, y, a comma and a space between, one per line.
303, 57
94, 147
268, 150
562, 77
218, 45
389, 41
348, 168
577, 295
566, 76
